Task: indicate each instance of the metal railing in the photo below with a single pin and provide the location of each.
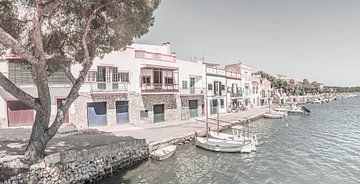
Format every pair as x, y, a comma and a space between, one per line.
238, 94
159, 87
108, 86
192, 91
140, 54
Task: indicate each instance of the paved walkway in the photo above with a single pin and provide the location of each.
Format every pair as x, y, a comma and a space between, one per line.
164, 131
13, 141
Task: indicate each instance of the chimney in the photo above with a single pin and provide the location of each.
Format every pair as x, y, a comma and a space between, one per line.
168, 47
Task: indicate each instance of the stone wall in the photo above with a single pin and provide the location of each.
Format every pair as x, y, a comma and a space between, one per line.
79, 118
85, 166
185, 111
137, 103
170, 101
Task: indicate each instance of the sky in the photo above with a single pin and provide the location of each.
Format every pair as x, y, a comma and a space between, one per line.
314, 39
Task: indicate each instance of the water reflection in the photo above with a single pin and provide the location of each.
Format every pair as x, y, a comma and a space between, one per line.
322, 147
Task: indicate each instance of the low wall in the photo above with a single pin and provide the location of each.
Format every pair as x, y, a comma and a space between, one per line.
85, 166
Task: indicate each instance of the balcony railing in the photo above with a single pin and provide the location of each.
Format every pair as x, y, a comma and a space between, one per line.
108, 86
140, 54
193, 91
238, 94
159, 87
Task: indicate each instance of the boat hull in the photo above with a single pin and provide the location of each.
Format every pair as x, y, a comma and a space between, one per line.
273, 116
225, 146
163, 153
223, 136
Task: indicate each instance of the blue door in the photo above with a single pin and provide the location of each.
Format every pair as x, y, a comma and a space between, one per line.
96, 114
122, 112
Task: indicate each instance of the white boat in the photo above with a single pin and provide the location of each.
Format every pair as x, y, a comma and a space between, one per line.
281, 111
317, 102
295, 110
163, 153
272, 115
237, 131
220, 145
224, 136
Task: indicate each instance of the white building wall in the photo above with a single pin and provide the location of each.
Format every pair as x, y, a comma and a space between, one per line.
212, 75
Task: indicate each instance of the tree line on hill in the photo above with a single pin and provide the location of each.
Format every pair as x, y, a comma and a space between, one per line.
291, 87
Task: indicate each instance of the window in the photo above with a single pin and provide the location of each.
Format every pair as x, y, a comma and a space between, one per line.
210, 87
108, 74
115, 77
157, 76
184, 84
169, 80
124, 77
223, 87
20, 73
145, 79
222, 104
100, 74
91, 77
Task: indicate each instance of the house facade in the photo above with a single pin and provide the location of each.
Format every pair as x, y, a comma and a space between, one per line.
235, 91
246, 80
140, 85
13, 112
216, 89
255, 91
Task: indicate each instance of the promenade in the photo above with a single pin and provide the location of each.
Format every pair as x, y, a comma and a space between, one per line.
13, 141
167, 131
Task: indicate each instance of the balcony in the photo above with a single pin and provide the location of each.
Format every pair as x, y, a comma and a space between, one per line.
193, 91
108, 86
238, 94
140, 54
159, 87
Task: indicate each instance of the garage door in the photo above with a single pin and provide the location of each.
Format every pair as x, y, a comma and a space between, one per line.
159, 113
122, 112
193, 106
19, 114
96, 114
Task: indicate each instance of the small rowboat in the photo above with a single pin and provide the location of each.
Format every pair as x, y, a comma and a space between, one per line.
163, 153
220, 145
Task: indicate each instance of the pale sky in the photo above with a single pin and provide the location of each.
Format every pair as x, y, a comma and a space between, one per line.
314, 39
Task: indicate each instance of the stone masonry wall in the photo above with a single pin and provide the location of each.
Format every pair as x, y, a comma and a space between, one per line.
79, 118
85, 166
170, 101
185, 111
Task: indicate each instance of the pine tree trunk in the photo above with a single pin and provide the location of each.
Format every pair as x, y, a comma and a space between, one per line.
37, 143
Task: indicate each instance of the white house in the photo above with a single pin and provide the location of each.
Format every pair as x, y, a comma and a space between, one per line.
142, 84
246, 80
216, 89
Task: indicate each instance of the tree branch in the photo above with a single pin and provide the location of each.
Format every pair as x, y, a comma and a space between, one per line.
73, 94
68, 73
18, 93
10, 42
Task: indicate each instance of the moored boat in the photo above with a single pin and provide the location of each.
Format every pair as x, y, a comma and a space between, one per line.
224, 136
271, 115
220, 145
163, 153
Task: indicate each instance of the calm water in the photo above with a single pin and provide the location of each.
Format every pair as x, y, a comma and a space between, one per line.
323, 147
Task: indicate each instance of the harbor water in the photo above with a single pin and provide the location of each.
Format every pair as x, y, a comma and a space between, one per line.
323, 147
